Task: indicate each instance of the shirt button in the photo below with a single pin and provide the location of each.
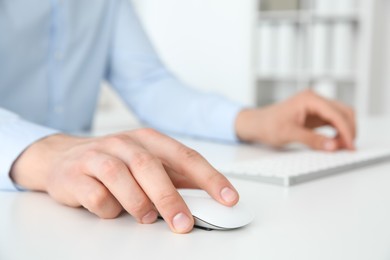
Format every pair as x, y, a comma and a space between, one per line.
59, 109
59, 56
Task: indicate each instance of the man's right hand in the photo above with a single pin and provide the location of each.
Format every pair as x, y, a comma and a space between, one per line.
137, 171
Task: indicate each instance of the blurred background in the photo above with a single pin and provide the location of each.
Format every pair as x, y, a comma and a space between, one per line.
258, 52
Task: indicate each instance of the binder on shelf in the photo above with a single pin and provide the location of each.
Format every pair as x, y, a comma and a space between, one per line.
320, 49
286, 49
266, 58
342, 49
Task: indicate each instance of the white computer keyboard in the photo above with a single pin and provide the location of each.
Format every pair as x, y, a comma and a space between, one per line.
289, 168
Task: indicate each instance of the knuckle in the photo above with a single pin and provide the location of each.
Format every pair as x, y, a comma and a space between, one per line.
164, 200
97, 199
138, 208
82, 163
302, 97
147, 132
90, 153
142, 160
310, 95
116, 140
110, 168
308, 92
189, 154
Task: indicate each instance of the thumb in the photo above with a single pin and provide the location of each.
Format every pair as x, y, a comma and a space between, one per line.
314, 140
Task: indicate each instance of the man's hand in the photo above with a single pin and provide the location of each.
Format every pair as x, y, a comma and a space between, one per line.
294, 121
137, 171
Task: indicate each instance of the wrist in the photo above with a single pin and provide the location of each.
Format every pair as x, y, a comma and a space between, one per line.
31, 169
247, 125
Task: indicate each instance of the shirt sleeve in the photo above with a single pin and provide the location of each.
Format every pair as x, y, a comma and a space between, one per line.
156, 96
16, 135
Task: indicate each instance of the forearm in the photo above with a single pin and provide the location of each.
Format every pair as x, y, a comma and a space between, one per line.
171, 106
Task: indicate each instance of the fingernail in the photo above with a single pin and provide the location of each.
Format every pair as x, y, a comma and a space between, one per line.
228, 195
181, 222
329, 145
150, 217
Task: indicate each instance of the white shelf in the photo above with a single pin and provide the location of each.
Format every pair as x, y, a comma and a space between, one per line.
307, 77
351, 17
310, 28
305, 16
332, 18
297, 16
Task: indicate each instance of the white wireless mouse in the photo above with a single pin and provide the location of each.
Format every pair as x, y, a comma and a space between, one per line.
209, 214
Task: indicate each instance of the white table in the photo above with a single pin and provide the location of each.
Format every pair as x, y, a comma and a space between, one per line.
346, 216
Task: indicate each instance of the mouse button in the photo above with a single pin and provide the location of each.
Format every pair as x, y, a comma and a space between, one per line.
200, 205
193, 193
204, 207
217, 214
241, 214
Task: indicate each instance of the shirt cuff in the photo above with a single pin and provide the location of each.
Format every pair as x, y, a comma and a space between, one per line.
16, 135
224, 115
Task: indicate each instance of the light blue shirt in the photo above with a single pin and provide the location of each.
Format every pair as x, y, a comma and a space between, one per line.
54, 54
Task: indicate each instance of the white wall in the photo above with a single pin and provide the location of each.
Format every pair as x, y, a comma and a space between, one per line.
206, 43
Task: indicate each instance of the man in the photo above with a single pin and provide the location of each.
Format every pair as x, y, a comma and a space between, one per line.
53, 57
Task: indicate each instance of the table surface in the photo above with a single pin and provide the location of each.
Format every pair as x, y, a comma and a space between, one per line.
345, 216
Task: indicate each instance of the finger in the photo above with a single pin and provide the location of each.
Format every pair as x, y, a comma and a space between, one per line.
348, 114
180, 181
314, 140
151, 176
93, 196
341, 143
190, 164
321, 107
313, 121
115, 175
